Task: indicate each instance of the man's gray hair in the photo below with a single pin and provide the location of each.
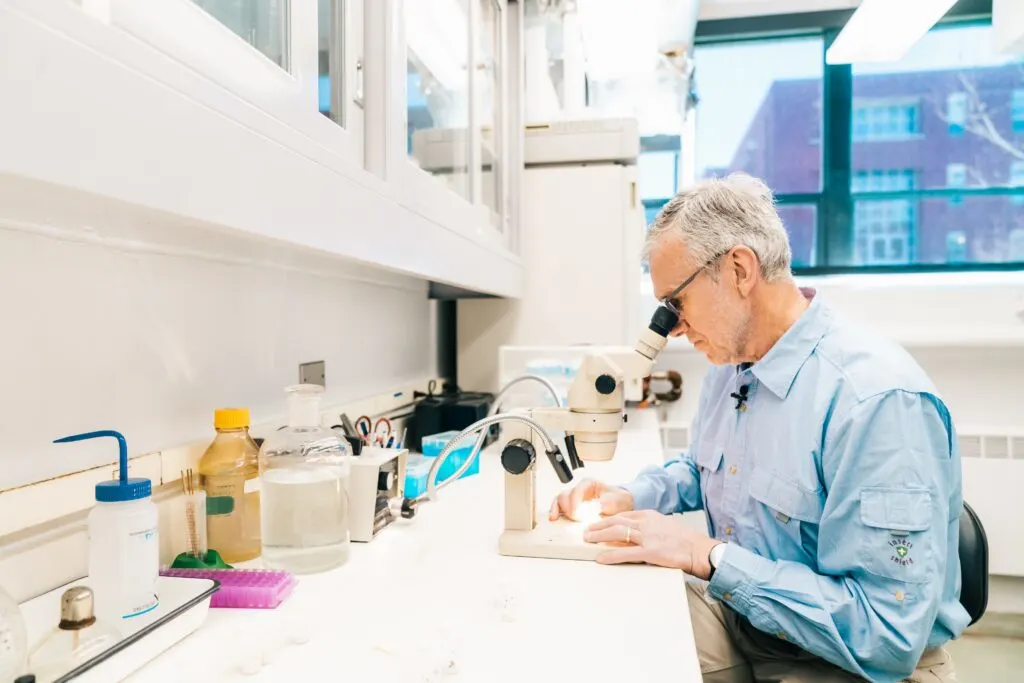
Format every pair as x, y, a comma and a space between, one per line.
715, 215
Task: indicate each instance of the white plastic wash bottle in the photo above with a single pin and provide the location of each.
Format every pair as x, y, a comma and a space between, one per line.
124, 549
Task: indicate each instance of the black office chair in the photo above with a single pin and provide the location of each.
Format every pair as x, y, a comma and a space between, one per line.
973, 564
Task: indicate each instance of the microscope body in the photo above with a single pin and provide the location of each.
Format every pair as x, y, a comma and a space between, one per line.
591, 424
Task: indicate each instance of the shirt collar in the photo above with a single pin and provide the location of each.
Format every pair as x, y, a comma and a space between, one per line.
779, 367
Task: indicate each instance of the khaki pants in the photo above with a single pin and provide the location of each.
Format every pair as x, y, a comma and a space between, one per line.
733, 651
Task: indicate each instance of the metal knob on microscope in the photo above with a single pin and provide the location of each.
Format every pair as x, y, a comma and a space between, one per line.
77, 609
517, 456
605, 384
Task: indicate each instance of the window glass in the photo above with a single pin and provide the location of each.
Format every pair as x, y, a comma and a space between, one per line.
978, 229
658, 174
330, 14
261, 23
488, 72
437, 88
763, 118
1017, 109
960, 92
1017, 180
801, 221
942, 119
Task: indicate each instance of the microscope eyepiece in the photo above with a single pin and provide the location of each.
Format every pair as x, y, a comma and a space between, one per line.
664, 320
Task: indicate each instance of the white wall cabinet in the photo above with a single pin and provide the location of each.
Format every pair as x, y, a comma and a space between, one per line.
257, 116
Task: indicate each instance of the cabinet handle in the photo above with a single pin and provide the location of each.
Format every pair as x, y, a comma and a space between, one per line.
357, 97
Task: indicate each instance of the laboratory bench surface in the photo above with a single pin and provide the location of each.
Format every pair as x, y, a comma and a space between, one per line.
431, 599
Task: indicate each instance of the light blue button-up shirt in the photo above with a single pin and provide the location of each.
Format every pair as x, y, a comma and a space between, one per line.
838, 490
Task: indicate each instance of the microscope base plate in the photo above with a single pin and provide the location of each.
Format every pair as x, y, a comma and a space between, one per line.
561, 540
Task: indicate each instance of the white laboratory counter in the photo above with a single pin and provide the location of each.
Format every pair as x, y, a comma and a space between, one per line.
432, 600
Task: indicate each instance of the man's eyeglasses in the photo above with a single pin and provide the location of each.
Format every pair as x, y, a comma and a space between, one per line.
669, 301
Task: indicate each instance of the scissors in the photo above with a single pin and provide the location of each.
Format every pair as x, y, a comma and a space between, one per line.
373, 432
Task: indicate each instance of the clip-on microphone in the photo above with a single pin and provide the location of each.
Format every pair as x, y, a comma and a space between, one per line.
741, 397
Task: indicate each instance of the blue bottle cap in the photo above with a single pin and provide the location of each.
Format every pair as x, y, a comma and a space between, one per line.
122, 489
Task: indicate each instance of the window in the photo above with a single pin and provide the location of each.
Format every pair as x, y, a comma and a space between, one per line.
1017, 109
918, 164
956, 112
956, 176
884, 231
1017, 180
765, 119
261, 23
952, 208
882, 120
658, 174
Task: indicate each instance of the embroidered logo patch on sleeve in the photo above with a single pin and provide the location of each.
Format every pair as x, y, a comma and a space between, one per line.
901, 551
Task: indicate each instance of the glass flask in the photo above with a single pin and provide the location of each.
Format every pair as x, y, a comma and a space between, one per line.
304, 475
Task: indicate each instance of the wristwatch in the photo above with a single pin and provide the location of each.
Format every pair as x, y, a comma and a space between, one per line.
715, 558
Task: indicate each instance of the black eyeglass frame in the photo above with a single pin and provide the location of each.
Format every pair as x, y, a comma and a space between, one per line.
668, 302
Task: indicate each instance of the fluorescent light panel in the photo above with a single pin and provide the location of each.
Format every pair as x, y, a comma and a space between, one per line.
885, 30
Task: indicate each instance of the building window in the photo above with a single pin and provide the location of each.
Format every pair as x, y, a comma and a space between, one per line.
873, 121
1017, 180
956, 176
917, 197
1017, 109
884, 230
956, 112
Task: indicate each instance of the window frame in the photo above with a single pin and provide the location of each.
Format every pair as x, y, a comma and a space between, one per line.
835, 201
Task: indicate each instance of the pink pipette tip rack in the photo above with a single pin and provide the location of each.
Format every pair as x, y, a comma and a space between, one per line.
242, 588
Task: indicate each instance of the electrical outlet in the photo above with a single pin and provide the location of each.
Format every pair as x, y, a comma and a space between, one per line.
313, 373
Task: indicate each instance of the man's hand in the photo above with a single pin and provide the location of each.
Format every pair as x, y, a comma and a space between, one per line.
613, 500
653, 538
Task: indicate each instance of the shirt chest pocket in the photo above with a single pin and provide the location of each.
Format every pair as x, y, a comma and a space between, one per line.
794, 511
897, 542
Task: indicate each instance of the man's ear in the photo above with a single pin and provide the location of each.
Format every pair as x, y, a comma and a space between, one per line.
744, 265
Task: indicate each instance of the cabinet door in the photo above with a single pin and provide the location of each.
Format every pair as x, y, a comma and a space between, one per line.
447, 141
286, 58
340, 62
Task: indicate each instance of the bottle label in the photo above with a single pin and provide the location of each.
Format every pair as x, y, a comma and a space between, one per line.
220, 495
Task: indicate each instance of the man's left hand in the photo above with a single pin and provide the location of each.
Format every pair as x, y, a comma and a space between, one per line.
654, 538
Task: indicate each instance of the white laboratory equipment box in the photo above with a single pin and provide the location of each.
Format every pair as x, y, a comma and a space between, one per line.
580, 241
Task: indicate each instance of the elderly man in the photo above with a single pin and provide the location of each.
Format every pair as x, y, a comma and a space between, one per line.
822, 455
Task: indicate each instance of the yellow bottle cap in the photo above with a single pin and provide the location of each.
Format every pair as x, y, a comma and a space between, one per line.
231, 418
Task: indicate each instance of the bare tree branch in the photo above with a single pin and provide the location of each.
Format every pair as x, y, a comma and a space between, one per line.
979, 122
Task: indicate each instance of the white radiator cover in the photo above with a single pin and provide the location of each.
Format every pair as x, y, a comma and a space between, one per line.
993, 467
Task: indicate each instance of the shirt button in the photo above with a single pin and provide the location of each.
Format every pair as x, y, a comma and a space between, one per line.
728, 531
781, 635
733, 469
899, 595
727, 596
